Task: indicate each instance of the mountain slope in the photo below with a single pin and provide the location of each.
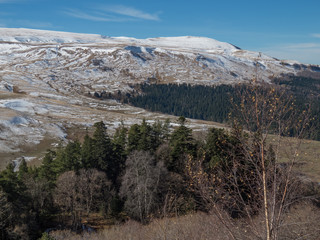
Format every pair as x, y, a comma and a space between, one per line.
68, 62
45, 77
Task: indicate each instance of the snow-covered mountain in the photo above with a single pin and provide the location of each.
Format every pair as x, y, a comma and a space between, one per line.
45, 75
80, 63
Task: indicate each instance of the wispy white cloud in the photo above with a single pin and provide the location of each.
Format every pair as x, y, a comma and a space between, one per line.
302, 52
92, 17
131, 12
302, 46
316, 35
118, 13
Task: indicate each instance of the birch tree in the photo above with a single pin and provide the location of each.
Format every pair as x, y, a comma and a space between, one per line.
140, 184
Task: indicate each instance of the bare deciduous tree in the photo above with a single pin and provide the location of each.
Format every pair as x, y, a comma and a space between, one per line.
78, 194
91, 186
140, 184
38, 191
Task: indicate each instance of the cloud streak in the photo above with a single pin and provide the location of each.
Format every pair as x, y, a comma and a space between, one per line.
98, 17
114, 13
302, 52
131, 12
302, 46
316, 35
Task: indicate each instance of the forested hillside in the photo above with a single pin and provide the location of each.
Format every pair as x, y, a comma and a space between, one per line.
200, 102
217, 103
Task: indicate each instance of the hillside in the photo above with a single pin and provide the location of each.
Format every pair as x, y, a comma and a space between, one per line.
46, 76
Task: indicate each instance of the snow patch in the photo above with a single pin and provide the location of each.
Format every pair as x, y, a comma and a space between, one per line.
17, 162
24, 106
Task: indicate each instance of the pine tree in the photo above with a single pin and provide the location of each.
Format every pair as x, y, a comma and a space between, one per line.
102, 146
10, 183
68, 158
181, 143
23, 169
119, 143
134, 136
87, 153
145, 141
46, 170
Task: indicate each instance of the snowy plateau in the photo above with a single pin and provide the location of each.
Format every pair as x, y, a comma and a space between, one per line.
45, 77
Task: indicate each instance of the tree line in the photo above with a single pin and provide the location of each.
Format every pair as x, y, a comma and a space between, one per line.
199, 102
216, 103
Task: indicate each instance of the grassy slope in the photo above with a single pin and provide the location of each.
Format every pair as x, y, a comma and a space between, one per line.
308, 156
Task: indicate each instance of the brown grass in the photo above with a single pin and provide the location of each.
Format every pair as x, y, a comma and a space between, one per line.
37, 151
193, 226
303, 222
307, 158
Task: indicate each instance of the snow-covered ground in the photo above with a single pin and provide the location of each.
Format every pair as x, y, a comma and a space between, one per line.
45, 77
58, 61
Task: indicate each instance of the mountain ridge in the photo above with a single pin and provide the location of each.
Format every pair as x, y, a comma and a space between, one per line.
193, 60
44, 36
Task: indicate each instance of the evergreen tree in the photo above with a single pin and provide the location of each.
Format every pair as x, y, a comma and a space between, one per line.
68, 158
10, 183
46, 170
23, 169
181, 143
145, 141
87, 153
120, 139
119, 143
134, 136
217, 147
159, 133
102, 146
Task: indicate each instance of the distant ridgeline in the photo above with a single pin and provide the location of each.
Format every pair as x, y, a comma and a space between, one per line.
214, 103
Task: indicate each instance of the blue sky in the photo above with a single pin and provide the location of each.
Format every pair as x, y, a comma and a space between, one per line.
283, 29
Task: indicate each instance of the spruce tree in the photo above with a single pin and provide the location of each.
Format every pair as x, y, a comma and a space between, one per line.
102, 146
87, 153
46, 170
181, 144
23, 169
